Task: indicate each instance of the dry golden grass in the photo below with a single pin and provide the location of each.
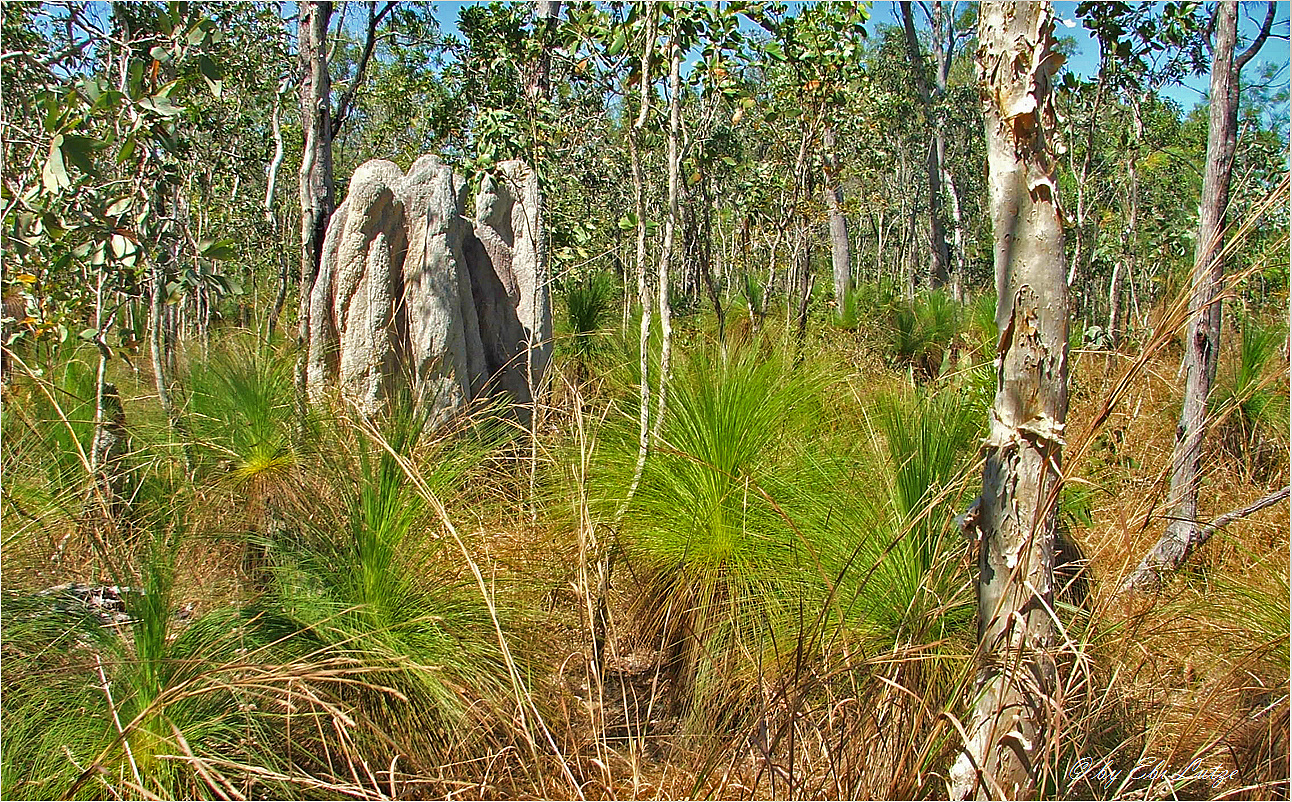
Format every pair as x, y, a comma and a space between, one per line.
1185, 680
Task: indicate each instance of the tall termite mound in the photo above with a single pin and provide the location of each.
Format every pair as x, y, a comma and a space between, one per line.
411, 294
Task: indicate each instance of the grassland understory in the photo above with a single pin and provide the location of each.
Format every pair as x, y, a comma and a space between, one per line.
315, 605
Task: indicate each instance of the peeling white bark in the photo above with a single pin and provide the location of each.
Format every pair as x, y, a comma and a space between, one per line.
1016, 511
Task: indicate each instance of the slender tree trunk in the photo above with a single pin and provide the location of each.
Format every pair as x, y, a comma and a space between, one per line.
939, 266
1126, 267
538, 353
1202, 340
1015, 516
707, 266
271, 184
316, 183
1115, 306
881, 228
840, 259
1080, 251
643, 279
908, 252
944, 40
670, 225
271, 180
803, 287
157, 340
606, 570
957, 237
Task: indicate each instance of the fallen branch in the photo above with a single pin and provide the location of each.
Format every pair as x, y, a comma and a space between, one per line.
1147, 577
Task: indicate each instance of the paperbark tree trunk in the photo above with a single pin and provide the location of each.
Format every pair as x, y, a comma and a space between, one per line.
839, 257
1202, 338
1015, 515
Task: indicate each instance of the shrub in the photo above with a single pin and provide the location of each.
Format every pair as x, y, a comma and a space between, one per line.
923, 331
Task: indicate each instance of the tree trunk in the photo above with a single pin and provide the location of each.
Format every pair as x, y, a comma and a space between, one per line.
643, 279
1202, 340
839, 256
1126, 268
316, 184
944, 40
803, 287
157, 340
1015, 516
707, 261
1115, 307
939, 266
538, 354
957, 237
670, 224
271, 184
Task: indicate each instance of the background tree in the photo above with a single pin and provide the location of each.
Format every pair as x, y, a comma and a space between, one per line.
320, 125
1202, 338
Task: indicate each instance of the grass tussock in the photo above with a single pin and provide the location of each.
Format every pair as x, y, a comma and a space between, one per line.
778, 605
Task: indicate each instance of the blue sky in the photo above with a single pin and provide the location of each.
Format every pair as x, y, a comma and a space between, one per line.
1085, 61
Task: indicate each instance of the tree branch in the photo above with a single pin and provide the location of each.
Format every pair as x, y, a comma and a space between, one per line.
370, 43
1259, 41
1205, 533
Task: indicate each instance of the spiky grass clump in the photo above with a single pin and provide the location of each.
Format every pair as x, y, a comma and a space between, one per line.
755, 297
849, 312
243, 411
136, 711
722, 571
980, 327
51, 431
922, 332
901, 584
589, 311
1251, 398
368, 579
865, 302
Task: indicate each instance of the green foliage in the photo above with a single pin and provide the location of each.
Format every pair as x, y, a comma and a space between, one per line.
756, 540
243, 409
923, 331
86, 222
360, 580
100, 711
980, 327
848, 316
55, 428
722, 571
1253, 388
1251, 398
589, 310
752, 290
901, 585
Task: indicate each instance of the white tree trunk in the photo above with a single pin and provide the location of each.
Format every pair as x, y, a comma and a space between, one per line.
1015, 515
670, 226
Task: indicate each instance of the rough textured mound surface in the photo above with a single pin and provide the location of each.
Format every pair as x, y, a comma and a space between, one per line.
507, 224
411, 294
